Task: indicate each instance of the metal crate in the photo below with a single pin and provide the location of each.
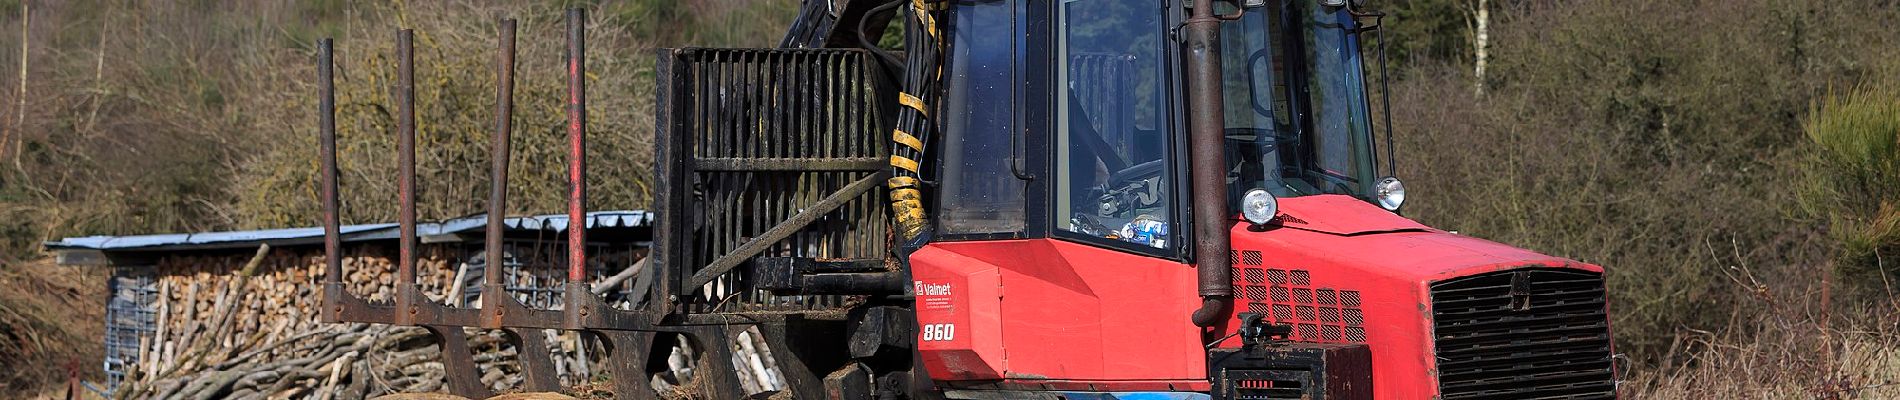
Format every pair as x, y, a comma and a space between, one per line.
130, 318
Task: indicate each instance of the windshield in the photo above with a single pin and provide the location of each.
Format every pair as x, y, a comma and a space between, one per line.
1295, 109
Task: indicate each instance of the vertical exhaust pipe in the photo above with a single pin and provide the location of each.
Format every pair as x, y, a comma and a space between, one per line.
498, 176
1208, 166
406, 177
326, 138
576, 165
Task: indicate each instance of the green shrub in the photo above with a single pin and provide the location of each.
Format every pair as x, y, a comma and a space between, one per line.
1853, 182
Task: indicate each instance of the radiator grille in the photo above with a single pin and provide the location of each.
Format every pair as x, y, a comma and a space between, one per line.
1523, 334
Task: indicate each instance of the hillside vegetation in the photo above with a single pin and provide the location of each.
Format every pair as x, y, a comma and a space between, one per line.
190, 116
1734, 163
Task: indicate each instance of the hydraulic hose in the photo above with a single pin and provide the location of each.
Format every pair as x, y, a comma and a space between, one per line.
923, 73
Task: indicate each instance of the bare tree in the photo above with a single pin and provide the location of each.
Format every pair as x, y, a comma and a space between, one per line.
99, 73
19, 119
1480, 44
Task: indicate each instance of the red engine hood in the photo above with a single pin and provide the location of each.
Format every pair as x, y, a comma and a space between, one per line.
1341, 215
1348, 232
1386, 264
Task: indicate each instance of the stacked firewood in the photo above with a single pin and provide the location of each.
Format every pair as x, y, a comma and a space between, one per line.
231, 326
247, 326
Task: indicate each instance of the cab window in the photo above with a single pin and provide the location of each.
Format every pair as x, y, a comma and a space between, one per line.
1111, 138
1296, 117
980, 194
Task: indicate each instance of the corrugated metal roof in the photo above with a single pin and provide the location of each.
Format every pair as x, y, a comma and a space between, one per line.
385, 231
552, 222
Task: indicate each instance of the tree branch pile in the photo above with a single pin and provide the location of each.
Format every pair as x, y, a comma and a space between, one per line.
245, 326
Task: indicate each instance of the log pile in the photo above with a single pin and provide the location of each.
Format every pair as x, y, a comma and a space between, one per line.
245, 326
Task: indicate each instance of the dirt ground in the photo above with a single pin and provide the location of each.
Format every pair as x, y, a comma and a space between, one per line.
52, 319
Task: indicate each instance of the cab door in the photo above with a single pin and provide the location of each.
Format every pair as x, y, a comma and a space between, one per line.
1059, 257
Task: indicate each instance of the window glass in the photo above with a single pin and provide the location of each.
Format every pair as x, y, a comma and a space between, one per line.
1337, 97
1262, 137
1111, 127
980, 195
1256, 99
1296, 122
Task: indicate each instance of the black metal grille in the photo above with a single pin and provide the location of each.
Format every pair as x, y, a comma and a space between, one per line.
534, 271
1523, 334
779, 153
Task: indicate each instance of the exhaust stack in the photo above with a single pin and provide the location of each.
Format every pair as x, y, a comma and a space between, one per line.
1208, 165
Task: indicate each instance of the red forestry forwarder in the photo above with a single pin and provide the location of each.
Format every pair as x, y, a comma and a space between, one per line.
1083, 199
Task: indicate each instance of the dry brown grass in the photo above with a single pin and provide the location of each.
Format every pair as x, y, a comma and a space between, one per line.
192, 116
455, 95
51, 321
1782, 344
1865, 367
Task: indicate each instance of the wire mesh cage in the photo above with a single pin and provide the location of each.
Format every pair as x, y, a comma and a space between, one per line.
534, 270
130, 317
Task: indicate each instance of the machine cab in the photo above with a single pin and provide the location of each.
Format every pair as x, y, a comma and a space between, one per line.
1063, 196
1069, 119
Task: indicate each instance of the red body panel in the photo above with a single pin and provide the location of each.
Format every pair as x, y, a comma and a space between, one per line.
1346, 245
1054, 314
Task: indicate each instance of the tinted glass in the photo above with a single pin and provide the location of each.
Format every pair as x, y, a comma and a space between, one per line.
1111, 128
980, 194
1337, 96
1294, 101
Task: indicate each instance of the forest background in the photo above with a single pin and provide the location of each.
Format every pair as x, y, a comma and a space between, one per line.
1734, 163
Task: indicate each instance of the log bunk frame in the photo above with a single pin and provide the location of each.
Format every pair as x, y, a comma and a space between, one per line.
711, 101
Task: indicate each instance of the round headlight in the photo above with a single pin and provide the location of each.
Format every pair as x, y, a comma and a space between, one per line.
1258, 206
1391, 193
